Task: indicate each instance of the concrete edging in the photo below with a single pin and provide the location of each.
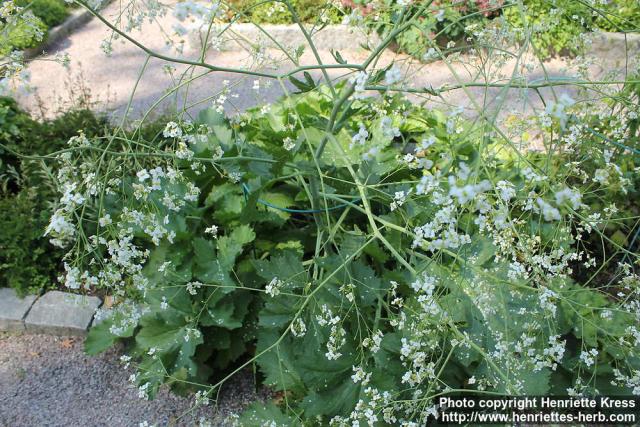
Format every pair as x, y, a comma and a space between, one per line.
55, 312
340, 36
331, 37
75, 20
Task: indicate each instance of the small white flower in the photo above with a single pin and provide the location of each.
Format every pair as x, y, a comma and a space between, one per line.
143, 175
359, 80
393, 75
213, 231
172, 130
273, 288
361, 137
105, 220
567, 195
298, 328
288, 144
388, 130
589, 357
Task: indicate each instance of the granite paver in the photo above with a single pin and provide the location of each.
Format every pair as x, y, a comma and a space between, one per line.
61, 313
13, 309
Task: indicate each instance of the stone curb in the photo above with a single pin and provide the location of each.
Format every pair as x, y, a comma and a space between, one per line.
331, 37
339, 36
76, 19
55, 312
612, 45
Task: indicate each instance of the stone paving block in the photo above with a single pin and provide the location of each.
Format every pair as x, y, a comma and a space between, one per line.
13, 309
61, 313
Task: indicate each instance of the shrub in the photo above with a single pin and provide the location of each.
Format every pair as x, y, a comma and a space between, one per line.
277, 13
28, 263
21, 35
619, 15
51, 12
553, 26
15, 128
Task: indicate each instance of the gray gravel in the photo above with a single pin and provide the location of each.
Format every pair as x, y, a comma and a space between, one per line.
49, 381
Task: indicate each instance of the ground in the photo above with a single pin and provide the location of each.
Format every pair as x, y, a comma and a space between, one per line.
49, 381
110, 80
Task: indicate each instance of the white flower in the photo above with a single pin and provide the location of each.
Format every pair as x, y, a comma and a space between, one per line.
60, 229
393, 75
546, 298
361, 137
298, 328
505, 190
424, 284
213, 231
273, 288
388, 130
567, 195
601, 176
548, 212
371, 154
288, 144
143, 175
172, 130
218, 152
105, 220
558, 109
359, 80
398, 199
360, 376
588, 357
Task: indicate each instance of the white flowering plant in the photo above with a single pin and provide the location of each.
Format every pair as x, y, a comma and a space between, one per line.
365, 251
437, 265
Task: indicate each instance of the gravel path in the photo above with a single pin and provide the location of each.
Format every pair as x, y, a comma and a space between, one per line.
111, 80
49, 381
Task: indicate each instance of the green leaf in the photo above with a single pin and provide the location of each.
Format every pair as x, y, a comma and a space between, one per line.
100, 337
286, 266
336, 55
224, 134
337, 400
229, 247
308, 85
262, 414
211, 117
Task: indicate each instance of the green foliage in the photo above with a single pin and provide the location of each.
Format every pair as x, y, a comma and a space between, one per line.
550, 26
21, 35
619, 15
28, 263
553, 26
51, 12
332, 322
261, 12
29, 27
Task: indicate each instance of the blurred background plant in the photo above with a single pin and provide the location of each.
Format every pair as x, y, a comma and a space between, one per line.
28, 262
37, 17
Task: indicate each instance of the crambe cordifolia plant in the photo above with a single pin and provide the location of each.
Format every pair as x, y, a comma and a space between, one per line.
374, 239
